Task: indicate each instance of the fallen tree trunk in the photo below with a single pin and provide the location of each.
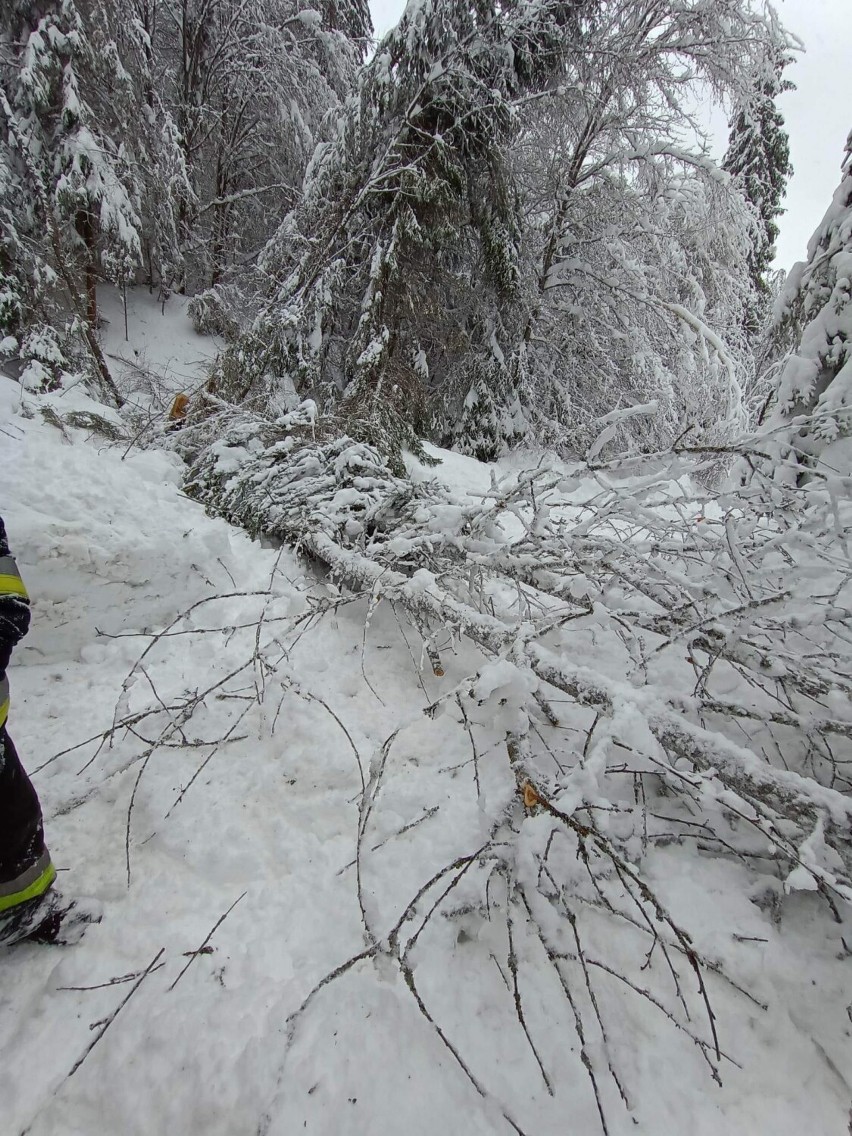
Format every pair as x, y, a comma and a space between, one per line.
340, 503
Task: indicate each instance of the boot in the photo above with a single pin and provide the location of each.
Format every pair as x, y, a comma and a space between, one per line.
48, 919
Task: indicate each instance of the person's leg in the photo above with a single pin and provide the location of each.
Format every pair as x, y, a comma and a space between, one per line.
26, 872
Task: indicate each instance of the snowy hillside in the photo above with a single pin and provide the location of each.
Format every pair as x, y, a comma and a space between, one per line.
234, 761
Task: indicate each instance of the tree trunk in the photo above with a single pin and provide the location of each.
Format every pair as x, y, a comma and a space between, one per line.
87, 230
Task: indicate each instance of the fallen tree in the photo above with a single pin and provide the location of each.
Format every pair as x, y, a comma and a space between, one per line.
696, 637
416, 545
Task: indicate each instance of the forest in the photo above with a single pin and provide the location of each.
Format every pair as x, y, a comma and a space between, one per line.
474, 488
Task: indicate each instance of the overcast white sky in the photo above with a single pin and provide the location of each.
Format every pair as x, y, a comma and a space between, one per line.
818, 113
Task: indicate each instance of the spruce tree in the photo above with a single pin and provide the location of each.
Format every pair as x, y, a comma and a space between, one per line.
816, 381
70, 184
758, 158
407, 237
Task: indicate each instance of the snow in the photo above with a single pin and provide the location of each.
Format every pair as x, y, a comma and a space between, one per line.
457, 471
121, 565
160, 341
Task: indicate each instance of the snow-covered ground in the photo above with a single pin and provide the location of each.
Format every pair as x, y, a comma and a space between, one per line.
250, 698
157, 343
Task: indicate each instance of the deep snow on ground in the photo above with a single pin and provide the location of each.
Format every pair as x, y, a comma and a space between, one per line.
158, 352
113, 555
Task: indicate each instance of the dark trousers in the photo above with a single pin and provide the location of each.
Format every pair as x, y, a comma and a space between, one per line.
21, 832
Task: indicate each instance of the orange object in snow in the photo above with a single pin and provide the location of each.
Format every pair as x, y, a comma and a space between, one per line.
179, 408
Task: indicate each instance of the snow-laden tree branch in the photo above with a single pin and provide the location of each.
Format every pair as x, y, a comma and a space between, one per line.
667, 569
662, 662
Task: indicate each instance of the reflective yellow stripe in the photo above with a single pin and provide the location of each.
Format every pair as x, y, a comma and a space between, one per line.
37, 888
4, 712
13, 586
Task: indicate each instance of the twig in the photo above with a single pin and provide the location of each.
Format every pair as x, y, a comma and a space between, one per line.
120, 980
512, 960
315, 698
408, 975
107, 1022
194, 954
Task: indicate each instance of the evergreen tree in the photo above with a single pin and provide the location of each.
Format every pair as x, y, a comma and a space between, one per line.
155, 134
70, 185
353, 19
816, 380
125, 34
406, 241
758, 157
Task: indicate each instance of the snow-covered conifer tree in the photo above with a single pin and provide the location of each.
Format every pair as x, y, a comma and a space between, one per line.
71, 185
405, 245
816, 380
156, 135
125, 33
758, 158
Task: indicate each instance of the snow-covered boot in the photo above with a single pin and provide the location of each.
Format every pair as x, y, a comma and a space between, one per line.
50, 918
